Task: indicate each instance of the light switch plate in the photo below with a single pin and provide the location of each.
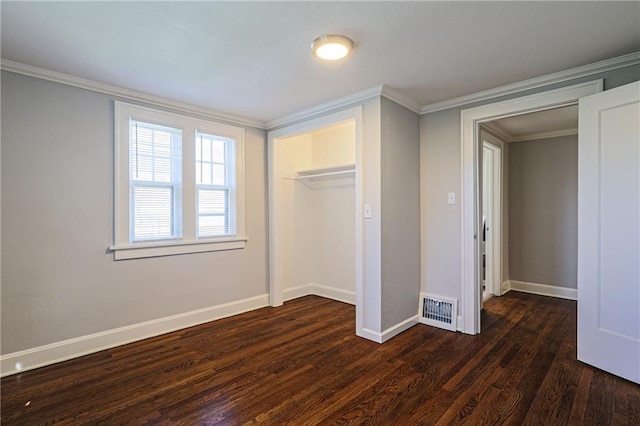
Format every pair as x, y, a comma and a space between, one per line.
367, 211
451, 198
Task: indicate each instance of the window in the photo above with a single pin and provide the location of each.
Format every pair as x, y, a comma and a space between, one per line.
179, 184
155, 180
215, 183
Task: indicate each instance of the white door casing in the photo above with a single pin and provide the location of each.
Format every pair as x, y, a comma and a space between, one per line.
485, 237
493, 193
609, 231
275, 225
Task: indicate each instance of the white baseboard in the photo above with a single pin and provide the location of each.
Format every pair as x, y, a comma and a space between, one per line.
333, 293
67, 349
381, 337
295, 292
544, 289
41, 356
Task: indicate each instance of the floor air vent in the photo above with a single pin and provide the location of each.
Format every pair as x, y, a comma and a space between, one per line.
439, 311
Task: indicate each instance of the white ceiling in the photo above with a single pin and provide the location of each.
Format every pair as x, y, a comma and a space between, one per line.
252, 59
538, 125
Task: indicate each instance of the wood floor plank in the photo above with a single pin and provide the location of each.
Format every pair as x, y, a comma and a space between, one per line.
601, 399
632, 407
579, 407
555, 396
302, 364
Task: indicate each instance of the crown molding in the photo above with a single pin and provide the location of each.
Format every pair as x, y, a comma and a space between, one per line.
327, 107
545, 135
128, 94
400, 99
558, 77
501, 133
491, 127
120, 92
344, 102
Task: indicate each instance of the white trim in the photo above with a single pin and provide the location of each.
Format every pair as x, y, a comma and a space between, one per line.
470, 119
400, 99
138, 251
324, 108
334, 293
382, 90
374, 336
344, 102
187, 242
544, 289
316, 123
491, 143
296, 292
497, 131
359, 231
545, 135
79, 346
390, 332
545, 80
128, 94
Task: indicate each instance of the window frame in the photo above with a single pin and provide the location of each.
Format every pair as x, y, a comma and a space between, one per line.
174, 185
229, 186
123, 247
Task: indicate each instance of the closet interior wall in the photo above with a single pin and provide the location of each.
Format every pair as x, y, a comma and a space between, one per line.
317, 213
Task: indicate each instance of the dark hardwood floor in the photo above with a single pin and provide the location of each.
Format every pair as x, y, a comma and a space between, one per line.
302, 364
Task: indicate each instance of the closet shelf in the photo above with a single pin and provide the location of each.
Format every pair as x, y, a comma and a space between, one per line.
344, 170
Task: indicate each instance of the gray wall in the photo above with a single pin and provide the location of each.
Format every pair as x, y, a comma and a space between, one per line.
543, 211
440, 163
400, 146
58, 281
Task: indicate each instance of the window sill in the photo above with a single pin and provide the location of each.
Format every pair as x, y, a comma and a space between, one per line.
138, 251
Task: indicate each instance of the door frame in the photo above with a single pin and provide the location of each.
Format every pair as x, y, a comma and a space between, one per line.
496, 251
276, 289
470, 120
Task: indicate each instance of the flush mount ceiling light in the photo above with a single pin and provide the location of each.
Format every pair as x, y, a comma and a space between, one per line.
332, 47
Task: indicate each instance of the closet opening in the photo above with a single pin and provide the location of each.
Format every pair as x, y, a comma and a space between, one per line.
314, 194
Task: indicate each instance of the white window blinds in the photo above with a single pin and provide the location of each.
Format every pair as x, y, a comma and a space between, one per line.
155, 181
215, 185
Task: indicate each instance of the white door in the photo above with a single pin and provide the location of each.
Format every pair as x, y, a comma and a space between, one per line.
492, 207
486, 232
609, 231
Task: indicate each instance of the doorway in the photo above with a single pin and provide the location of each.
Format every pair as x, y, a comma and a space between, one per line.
471, 300
538, 253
